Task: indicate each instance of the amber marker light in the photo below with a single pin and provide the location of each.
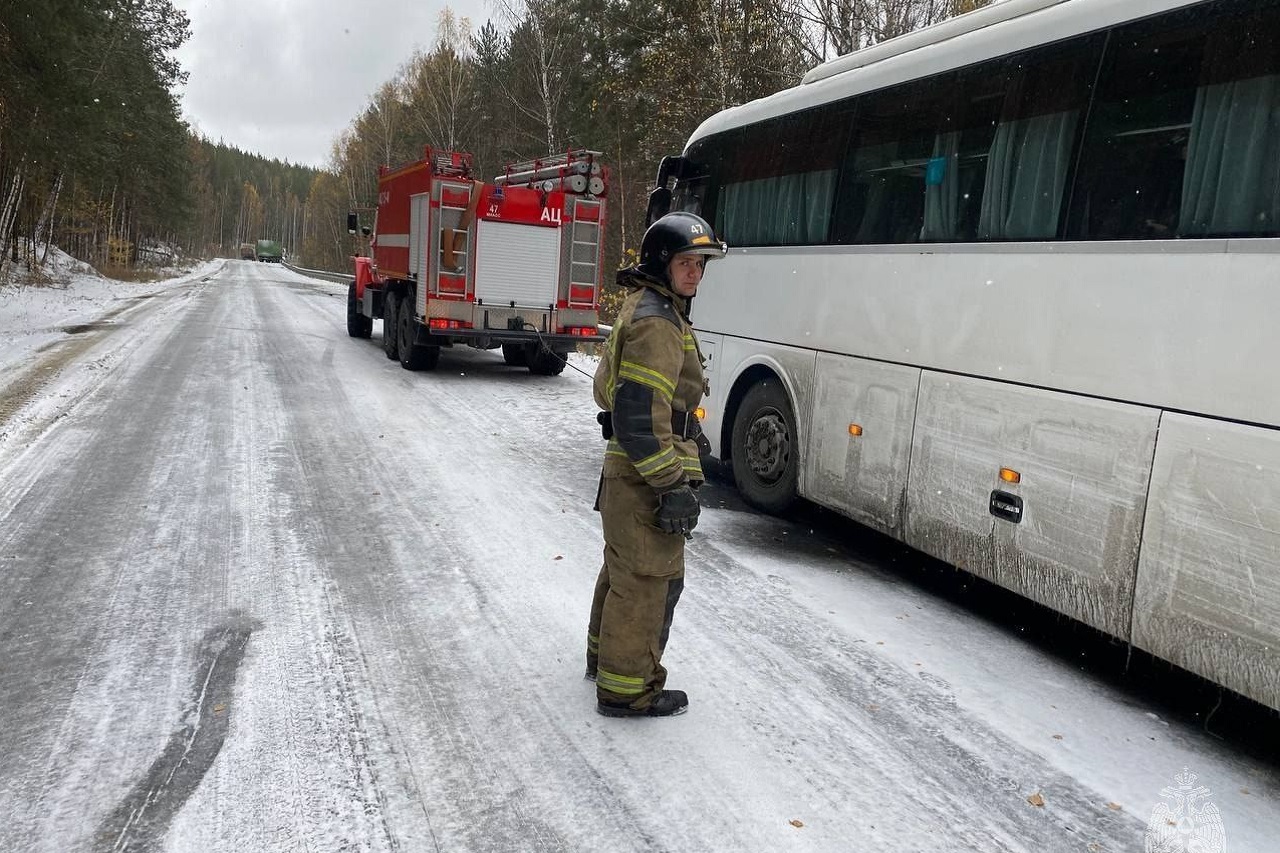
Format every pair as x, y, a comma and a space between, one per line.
1010, 476
855, 430
700, 413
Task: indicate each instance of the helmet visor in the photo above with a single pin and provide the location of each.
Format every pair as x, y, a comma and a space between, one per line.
703, 245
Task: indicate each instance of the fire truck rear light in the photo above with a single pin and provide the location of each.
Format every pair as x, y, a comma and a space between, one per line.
444, 323
582, 331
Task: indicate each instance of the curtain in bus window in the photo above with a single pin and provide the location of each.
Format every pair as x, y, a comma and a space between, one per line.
1232, 181
1026, 172
942, 189
785, 210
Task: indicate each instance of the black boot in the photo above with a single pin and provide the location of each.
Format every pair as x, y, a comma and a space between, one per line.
668, 703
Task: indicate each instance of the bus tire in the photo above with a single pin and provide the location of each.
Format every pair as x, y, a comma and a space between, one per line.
413, 356
515, 355
766, 459
390, 308
358, 325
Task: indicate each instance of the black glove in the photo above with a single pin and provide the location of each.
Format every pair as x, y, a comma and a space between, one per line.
678, 510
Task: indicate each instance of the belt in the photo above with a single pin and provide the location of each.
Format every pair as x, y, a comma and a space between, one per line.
683, 425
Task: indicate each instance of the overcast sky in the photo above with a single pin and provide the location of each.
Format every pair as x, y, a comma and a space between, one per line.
283, 78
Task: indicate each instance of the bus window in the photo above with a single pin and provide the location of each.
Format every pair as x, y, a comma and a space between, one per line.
978, 154
882, 194
1031, 149
1184, 136
956, 173
697, 190
691, 190
779, 179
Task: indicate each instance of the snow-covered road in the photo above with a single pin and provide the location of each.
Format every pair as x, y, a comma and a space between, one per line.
262, 589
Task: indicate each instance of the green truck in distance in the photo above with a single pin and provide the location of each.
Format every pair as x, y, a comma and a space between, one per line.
270, 251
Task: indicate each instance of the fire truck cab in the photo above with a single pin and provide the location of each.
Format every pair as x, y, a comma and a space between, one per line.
513, 263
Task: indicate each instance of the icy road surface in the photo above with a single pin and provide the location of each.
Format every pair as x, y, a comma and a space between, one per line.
262, 589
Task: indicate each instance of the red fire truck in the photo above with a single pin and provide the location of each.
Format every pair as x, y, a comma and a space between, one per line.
513, 263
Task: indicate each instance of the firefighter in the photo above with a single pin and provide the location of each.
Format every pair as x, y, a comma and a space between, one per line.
648, 384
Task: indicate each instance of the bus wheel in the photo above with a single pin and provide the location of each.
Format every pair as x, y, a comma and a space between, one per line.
765, 453
358, 325
390, 309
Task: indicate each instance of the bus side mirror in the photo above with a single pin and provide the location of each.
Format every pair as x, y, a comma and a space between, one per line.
659, 205
353, 223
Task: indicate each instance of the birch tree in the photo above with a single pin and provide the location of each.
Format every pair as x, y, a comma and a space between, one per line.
540, 35
440, 89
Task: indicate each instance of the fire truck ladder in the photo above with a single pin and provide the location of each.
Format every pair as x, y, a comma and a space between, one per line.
584, 253
458, 202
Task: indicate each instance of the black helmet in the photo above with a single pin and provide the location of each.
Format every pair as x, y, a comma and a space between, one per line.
675, 233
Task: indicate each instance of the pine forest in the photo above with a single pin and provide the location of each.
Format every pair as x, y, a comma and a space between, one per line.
95, 157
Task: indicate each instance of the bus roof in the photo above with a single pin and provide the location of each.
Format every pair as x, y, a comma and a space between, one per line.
992, 31
986, 16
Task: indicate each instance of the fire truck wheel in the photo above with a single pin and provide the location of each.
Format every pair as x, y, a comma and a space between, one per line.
765, 449
390, 307
413, 356
358, 325
425, 358
515, 355
544, 362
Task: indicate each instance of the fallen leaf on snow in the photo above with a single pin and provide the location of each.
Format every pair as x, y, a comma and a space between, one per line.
218, 709
558, 557
1036, 800
1115, 807
797, 823
1057, 737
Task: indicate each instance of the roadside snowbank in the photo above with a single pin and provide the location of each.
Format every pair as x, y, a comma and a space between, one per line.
33, 315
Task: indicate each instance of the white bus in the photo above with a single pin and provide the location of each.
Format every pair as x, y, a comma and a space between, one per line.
1008, 290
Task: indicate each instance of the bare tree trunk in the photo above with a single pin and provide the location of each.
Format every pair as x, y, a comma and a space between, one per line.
9, 213
44, 229
105, 248
621, 185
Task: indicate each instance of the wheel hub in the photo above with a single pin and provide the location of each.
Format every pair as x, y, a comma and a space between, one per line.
768, 446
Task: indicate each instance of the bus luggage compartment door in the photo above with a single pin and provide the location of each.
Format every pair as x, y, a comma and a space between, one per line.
1208, 594
865, 474
1084, 466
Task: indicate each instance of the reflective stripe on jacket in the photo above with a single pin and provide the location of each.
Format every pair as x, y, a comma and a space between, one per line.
651, 366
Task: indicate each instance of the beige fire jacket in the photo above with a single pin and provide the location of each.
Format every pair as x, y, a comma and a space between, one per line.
651, 368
